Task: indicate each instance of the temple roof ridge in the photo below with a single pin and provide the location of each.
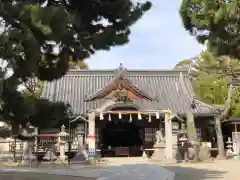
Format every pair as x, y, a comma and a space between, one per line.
120, 74
121, 70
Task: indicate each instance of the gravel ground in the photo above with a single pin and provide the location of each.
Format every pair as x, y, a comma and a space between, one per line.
35, 176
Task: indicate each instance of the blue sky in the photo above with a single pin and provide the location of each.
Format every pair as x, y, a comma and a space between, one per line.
157, 41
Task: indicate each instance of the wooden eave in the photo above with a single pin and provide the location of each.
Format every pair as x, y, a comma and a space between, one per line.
232, 121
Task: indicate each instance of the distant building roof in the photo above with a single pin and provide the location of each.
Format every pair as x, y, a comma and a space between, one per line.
171, 89
232, 121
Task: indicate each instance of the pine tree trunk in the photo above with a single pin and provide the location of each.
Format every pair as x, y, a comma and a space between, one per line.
220, 143
218, 119
192, 135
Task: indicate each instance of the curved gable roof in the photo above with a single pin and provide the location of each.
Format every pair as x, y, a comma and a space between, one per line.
120, 79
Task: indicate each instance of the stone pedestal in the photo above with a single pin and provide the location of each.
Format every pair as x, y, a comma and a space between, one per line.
28, 156
62, 155
194, 151
175, 151
159, 152
204, 153
50, 156
91, 161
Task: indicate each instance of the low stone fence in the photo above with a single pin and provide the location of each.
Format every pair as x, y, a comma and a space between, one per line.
7, 147
9, 144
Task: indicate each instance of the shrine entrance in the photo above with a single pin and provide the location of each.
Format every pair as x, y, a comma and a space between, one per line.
122, 132
121, 138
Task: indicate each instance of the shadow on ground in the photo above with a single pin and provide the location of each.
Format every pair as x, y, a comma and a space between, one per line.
188, 173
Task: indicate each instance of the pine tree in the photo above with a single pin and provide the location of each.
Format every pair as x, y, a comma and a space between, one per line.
79, 64
40, 36
214, 21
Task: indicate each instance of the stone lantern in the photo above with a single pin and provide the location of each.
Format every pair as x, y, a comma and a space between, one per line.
229, 147
62, 142
28, 135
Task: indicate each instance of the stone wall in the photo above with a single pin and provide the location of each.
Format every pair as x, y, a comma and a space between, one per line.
5, 154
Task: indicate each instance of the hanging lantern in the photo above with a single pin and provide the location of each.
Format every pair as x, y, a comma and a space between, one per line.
149, 118
109, 117
139, 116
157, 115
119, 115
130, 118
101, 116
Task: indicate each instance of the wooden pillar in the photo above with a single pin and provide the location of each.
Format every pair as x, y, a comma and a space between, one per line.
91, 135
168, 137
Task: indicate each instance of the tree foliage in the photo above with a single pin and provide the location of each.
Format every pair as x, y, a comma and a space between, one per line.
5, 132
80, 64
216, 21
19, 108
184, 64
212, 82
34, 29
211, 77
41, 37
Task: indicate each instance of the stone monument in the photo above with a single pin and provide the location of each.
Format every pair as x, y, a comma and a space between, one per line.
62, 142
28, 134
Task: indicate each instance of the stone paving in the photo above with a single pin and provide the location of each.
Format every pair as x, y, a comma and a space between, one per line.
218, 170
129, 172
137, 172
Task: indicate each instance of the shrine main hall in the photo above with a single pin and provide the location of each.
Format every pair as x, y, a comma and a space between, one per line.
126, 107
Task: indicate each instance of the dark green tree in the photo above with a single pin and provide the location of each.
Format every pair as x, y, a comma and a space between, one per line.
214, 21
79, 64
40, 36
34, 29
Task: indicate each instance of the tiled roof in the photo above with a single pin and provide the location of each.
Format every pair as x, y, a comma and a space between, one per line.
172, 89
